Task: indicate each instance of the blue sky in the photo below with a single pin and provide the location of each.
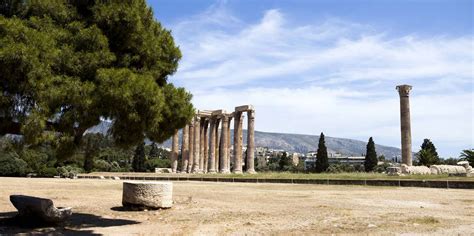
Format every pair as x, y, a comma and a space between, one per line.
310, 66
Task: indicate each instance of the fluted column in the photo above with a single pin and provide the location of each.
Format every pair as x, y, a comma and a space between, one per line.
218, 145
238, 142
174, 152
224, 148
405, 126
212, 145
201, 145
191, 146
206, 146
197, 146
251, 141
185, 149
229, 151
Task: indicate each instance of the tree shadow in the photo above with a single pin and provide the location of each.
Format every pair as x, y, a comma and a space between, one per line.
75, 225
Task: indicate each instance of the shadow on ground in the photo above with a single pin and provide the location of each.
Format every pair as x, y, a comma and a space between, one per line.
75, 225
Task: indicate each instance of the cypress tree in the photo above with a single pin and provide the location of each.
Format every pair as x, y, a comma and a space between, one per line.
138, 163
370, 156
322, 163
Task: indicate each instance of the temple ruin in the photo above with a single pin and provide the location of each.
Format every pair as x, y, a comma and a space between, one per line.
206, 149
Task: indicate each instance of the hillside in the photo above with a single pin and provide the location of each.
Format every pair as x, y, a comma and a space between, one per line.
301, 143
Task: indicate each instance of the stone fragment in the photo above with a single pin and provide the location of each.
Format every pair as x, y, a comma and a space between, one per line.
39, 209
147, 195
448, 169
415, 170
394, 171
163, 170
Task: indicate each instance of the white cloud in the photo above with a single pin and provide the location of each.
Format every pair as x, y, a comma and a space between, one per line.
334, 76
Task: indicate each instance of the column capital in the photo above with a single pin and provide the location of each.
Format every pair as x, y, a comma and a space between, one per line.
404, 90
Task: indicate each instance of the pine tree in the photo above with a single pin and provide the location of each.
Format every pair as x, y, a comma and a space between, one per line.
65, 65
138, 163
322, 163
427, 155
370, 156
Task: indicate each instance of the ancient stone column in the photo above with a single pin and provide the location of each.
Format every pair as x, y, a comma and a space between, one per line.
404, 92
185, 149
197, 146
174, 152
206, 146
229, 151
218, 145
212, 145
237, 142
201, 145
251, 141
224, 150
191, 147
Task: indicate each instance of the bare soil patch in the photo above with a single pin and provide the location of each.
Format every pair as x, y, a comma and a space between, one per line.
206, 208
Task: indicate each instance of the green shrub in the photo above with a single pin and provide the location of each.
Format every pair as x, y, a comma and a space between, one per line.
339, 168
381, 168
151, 164
69, 171
102, 165
12, 165
47, 172
35, 160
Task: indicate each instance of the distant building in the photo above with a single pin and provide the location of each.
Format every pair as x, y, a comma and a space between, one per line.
333, 158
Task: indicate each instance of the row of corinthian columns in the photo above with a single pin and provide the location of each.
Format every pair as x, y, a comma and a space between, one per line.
206, 149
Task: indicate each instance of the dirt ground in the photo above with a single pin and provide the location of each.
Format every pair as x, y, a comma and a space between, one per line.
202, 208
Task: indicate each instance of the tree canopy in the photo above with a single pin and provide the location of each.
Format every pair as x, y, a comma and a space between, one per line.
67, 64
427, 155
468, 155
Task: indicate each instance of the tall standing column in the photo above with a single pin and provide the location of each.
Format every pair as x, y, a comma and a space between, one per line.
201, 145
218, 145
191, 146
212, 145
206, 146
251, 141
197, 146
404, 92
238, 142
224, 150
185, 149
229, 151
174, 152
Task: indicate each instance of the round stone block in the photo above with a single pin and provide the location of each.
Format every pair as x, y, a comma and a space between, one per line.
145, 195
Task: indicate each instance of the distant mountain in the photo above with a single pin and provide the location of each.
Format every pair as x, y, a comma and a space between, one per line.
301, 143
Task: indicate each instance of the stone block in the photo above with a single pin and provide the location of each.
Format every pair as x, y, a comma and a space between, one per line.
39, 209
147, 195
244, 108
394, 171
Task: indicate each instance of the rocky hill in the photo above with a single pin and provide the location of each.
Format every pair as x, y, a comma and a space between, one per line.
301, 143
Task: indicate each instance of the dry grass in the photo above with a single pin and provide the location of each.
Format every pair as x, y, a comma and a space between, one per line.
202, 208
